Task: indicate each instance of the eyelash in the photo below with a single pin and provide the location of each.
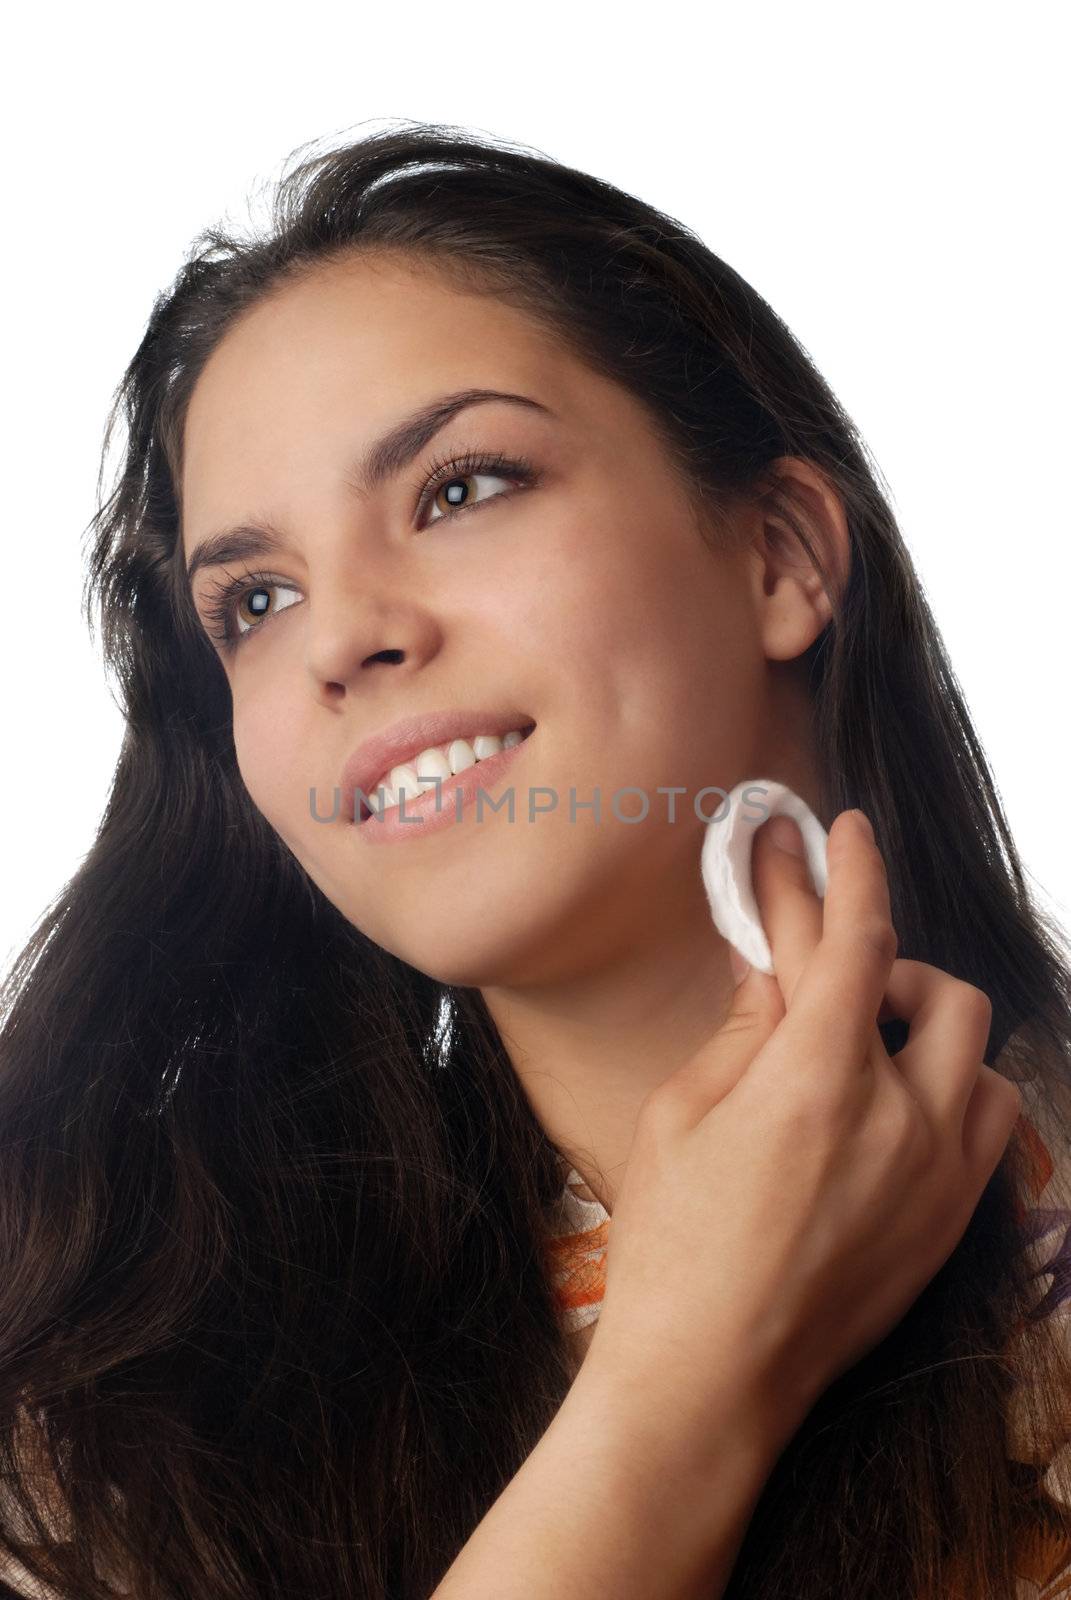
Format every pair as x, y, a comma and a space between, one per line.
219, 609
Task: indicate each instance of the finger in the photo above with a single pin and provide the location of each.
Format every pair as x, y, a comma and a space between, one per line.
840, 992
948, 1033
992, 1113
789, 907
756, 1009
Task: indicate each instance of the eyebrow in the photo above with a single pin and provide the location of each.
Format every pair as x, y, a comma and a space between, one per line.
384, 459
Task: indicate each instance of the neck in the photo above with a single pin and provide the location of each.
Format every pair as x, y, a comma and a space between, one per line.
589, 1044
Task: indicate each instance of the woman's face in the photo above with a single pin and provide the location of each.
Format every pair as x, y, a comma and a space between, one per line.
586, 600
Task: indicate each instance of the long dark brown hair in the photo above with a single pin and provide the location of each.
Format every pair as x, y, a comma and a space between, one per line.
275, 1318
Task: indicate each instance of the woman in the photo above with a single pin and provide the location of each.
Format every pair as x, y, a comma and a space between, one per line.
290, 1092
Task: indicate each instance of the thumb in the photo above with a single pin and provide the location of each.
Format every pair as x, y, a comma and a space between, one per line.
738, 966
755, 1009
757, 1004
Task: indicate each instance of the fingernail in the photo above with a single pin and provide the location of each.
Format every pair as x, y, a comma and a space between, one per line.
738, 966
785, 835
863, 823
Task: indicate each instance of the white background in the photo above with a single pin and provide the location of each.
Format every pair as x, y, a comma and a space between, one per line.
890, 178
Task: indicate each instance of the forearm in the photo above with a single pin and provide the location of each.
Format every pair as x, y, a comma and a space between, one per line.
607, 1504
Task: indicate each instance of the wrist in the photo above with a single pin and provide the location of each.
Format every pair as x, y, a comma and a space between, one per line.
687, 1433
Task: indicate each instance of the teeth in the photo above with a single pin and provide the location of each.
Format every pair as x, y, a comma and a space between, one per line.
460, 755
438, 761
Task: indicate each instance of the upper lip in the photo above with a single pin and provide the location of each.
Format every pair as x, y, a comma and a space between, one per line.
407, 738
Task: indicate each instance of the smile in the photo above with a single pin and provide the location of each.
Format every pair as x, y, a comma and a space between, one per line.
443, 804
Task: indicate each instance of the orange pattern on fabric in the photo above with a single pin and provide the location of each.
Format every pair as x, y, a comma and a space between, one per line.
579, 1263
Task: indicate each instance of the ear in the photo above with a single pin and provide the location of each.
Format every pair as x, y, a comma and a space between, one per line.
792, 602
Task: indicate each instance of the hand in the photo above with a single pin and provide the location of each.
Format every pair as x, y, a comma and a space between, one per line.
791, 1189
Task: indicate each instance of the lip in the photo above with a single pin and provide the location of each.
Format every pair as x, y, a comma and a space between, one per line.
444, 804
403, 740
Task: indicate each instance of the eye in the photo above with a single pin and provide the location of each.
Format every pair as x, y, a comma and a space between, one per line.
453, 489
224, 610
449, 477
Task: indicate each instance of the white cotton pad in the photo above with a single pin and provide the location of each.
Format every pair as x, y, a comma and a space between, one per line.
726, 860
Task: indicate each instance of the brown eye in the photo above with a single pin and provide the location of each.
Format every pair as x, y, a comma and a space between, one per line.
239, 607
454, 494
257, 601
457, 483
252, 604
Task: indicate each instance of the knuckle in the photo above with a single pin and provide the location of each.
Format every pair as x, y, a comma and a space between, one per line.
815, 1104
904, 1125
877, 937
1003, 1089
971, 1003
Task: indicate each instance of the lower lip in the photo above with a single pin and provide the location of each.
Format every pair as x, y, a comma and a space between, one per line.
455, 794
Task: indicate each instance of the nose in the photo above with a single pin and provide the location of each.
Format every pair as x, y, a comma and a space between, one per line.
356, 622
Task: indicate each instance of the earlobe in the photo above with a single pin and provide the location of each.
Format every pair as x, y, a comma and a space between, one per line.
798, 509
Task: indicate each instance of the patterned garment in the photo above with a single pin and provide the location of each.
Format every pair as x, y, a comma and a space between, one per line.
578, 1252
578, 1274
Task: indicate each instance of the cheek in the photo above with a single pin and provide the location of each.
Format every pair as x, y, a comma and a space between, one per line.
270, 767
640, 595
582, 589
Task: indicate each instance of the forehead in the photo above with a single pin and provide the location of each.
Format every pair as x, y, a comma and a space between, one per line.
345, 352
357, 319
369, 335
303, 382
